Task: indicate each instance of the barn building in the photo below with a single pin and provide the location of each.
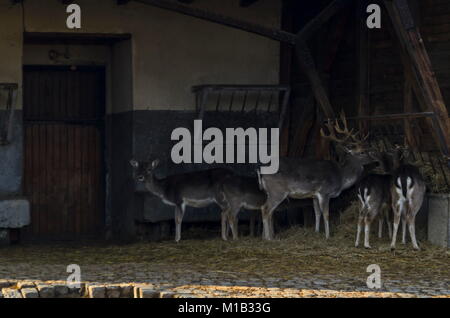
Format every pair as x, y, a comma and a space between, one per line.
78, 104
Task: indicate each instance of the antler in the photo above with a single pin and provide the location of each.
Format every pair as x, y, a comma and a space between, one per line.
357, 137
332, 135
342, 128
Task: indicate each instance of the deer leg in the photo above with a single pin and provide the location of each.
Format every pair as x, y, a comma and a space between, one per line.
324, 204
380, 226
366, 233
368, 221
388, 222
318, 213
265, 221
272, 227
397, 216
233, 220
179, 213
267, 211
412, 231
403, 229
224, 224
414, 208
359, 228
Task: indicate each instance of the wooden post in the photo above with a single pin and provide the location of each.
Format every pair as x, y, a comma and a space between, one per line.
362, 75
423, 75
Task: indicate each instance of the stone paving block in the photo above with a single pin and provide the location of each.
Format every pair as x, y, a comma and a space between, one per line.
148, 292
6, 283
11, 293
76, 291
46, 290
97, 291
185, 296
61, 290
126, 291
166, 294
112, 291
30, 292
137, 291
25, 284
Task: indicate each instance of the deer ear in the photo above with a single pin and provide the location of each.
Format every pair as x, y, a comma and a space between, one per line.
134, 163
155, 163
346, 149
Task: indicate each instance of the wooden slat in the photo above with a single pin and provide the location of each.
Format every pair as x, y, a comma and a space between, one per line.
63, 162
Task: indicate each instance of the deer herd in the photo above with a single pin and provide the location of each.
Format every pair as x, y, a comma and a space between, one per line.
399, 189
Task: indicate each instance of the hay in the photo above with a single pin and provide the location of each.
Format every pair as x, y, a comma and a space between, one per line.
297, 251
437, 180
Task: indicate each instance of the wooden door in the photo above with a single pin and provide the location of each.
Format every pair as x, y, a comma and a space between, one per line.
64, 167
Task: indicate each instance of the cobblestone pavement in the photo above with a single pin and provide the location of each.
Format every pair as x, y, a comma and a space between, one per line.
162, 281
301, 263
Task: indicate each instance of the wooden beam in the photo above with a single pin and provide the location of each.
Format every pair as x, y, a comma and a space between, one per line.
308, 115
322, 18
411, 138
408, 101
412, 44
247, 3
335, 37
306, 62
175, 6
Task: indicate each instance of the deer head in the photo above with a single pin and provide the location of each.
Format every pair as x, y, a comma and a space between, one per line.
143, 171
391, 155
353, 143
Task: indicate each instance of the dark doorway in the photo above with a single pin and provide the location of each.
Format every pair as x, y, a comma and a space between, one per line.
64, 180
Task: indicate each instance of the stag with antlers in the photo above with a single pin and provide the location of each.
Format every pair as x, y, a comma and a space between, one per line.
320, 180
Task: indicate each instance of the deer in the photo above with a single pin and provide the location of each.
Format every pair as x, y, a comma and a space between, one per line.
374, 193
320, 180
407, 190
375, 197
238, 192
195, 189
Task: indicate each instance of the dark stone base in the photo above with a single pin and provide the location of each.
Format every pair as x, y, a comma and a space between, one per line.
4, 237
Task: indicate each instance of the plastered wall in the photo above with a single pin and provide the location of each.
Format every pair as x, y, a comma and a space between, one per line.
169, 52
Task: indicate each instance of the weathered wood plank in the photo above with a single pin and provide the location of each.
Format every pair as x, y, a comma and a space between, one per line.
427, 85
271, 33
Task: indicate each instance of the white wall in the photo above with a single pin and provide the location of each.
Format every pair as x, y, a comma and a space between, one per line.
170, 52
